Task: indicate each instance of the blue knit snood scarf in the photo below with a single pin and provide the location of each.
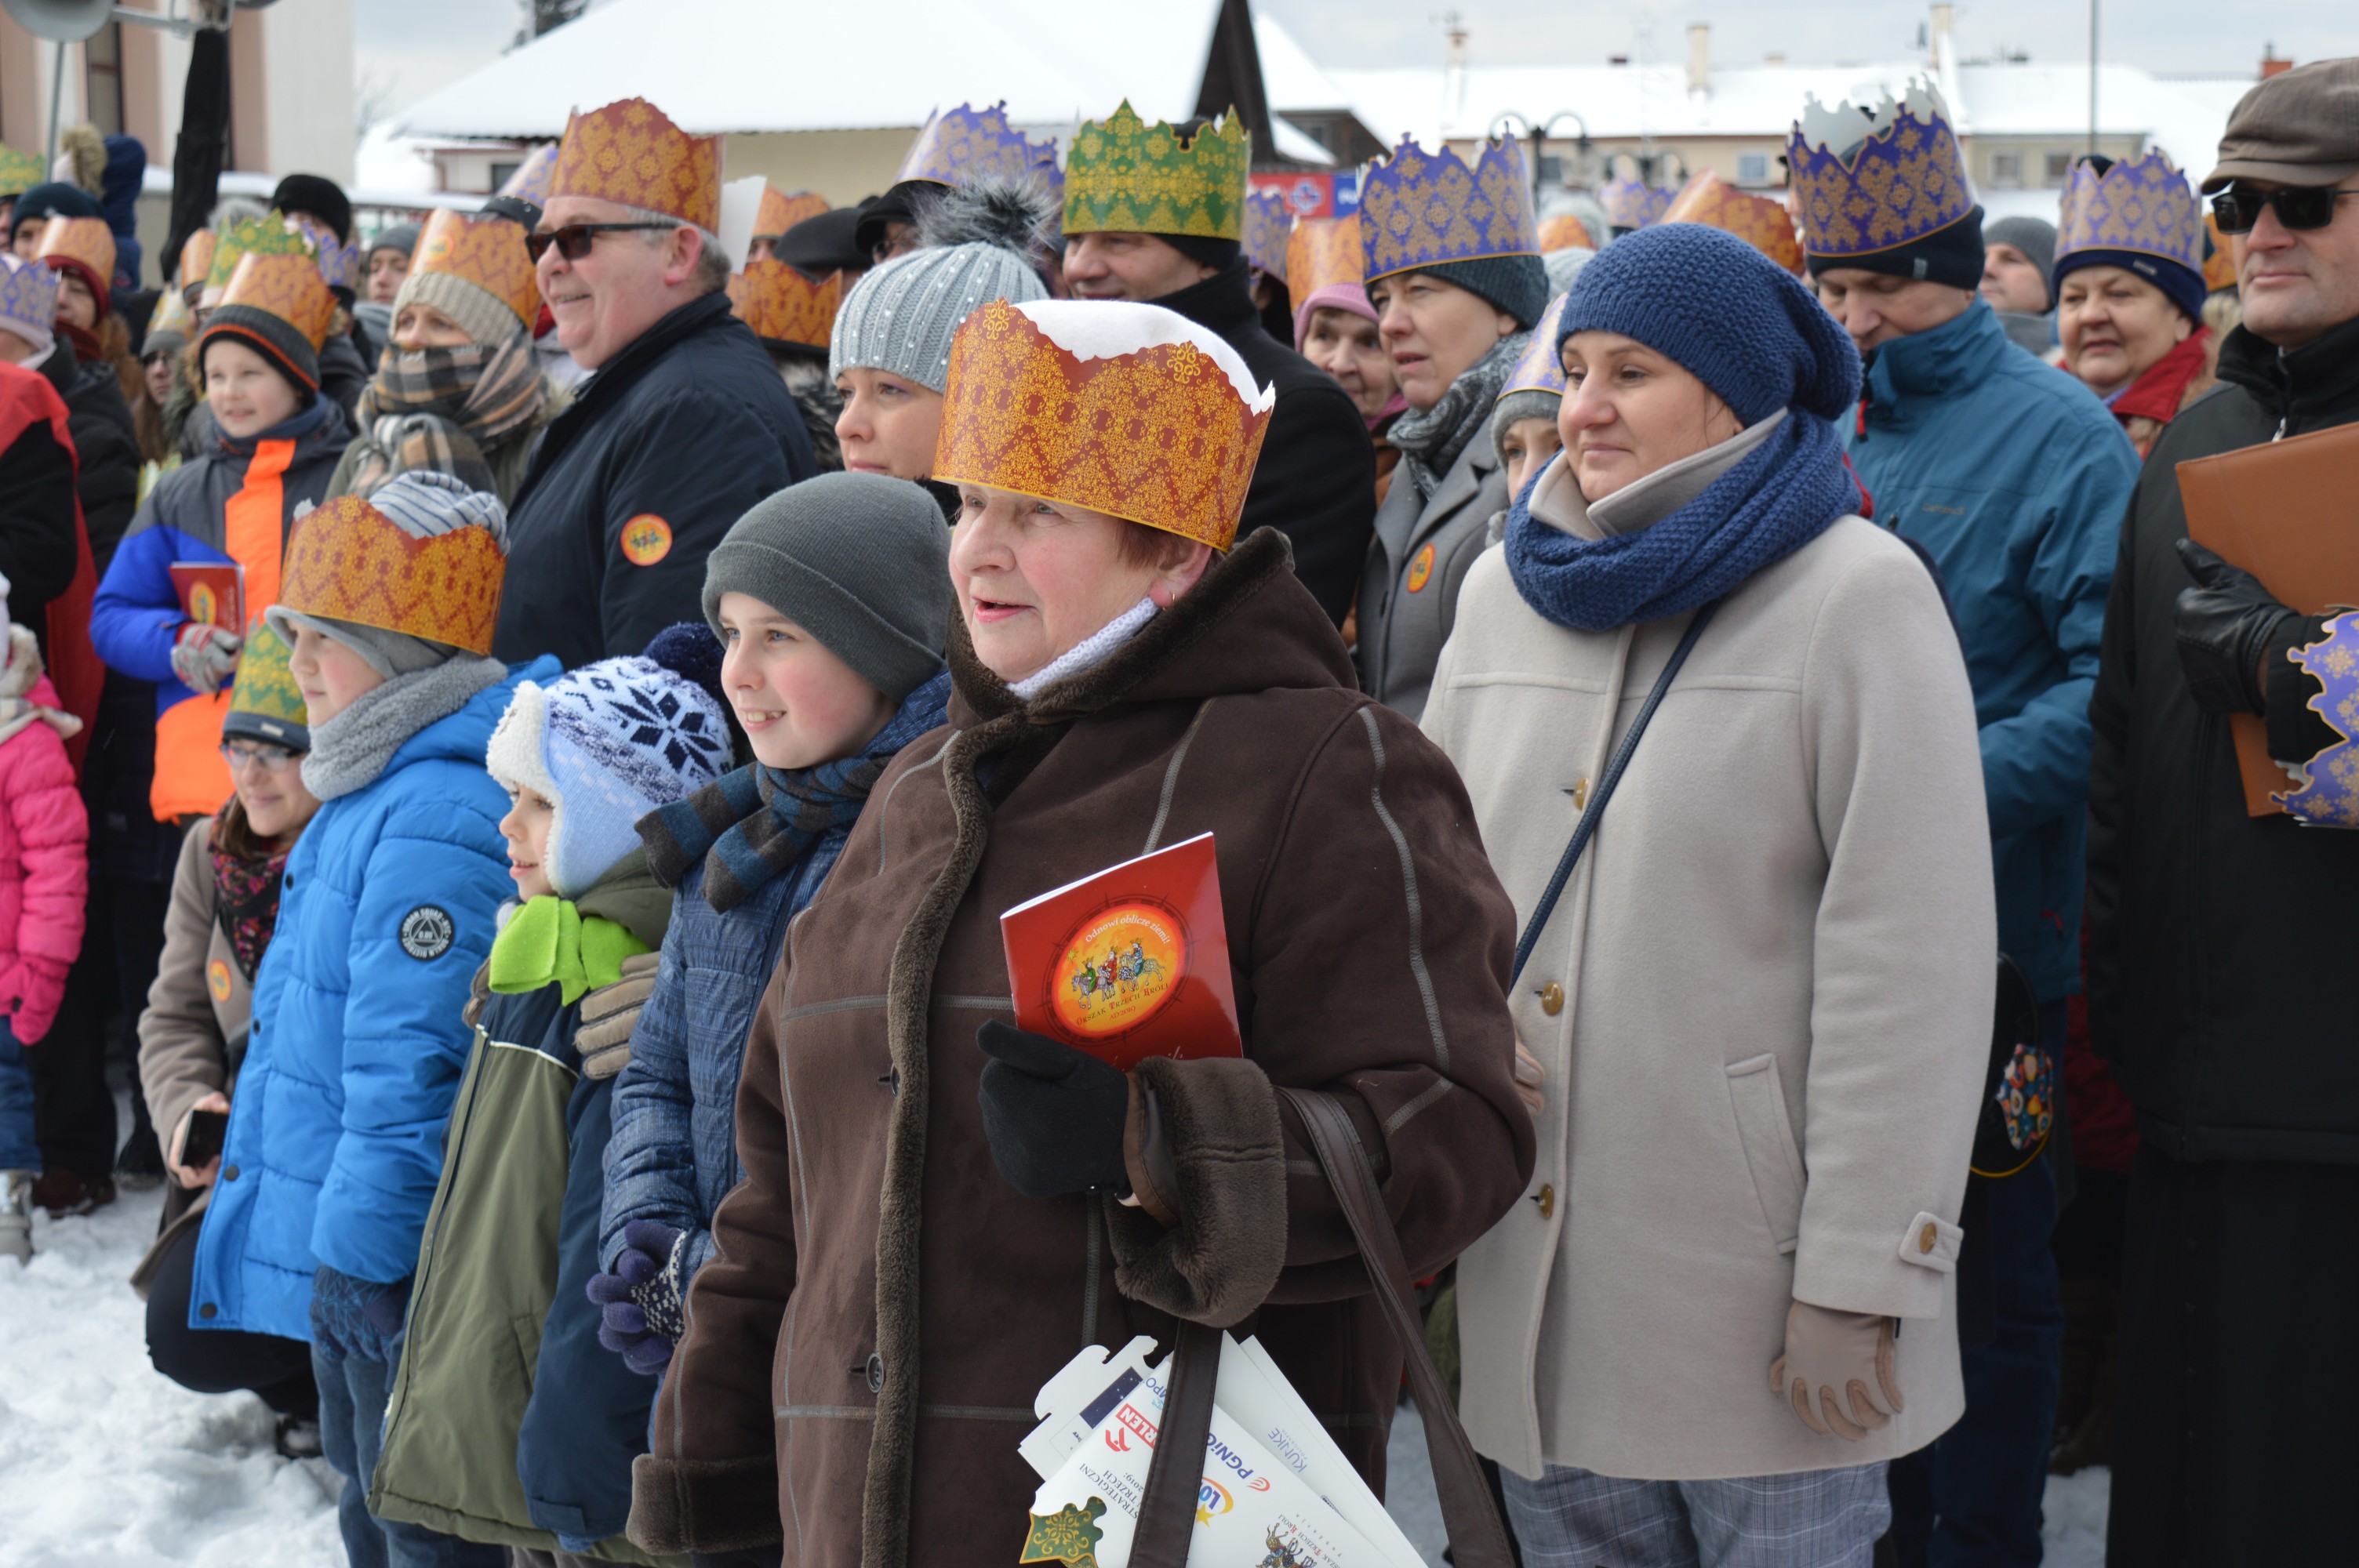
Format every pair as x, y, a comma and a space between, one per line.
1779, 496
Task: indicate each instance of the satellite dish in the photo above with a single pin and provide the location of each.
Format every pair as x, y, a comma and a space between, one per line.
63, 21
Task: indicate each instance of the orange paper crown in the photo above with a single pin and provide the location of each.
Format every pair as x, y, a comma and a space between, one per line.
197, 257
484, 251
783, 305
2219, 257
631, 151
1160, 434
85, 239
1563, 233
288, 286
1760, 222
348, 561
781, 211
1321, 252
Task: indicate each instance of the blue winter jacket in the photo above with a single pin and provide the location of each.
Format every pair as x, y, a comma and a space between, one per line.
674, 1153
2015, 479
359, 1040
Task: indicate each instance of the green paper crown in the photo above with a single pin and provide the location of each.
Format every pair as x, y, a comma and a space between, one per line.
1125, 175
266, 685
19, 172
272, 234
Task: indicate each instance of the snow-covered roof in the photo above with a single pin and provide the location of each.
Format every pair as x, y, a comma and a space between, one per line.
1291, 78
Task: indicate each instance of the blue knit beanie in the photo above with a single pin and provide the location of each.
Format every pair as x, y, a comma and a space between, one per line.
2182, 287
1739, 323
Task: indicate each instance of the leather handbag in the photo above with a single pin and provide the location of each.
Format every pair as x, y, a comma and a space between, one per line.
1167, 1514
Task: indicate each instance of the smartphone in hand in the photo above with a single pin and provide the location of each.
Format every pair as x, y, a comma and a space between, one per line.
203, 1143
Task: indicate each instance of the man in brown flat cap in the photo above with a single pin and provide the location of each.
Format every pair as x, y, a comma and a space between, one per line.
2221, 982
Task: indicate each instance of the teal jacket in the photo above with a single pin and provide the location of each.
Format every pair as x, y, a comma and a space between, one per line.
2015, 479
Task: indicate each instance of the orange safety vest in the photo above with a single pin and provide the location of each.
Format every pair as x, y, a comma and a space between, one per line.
190, 777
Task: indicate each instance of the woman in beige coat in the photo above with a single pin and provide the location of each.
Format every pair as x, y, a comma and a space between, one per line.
192, 1035
1763, 1000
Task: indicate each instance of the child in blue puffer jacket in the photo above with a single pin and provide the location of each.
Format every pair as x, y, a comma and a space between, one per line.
830, 600
336, 1139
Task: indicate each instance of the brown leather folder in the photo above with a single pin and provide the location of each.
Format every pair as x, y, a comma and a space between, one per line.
2286, 512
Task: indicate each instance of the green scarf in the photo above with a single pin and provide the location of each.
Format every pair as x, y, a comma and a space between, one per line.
549, 940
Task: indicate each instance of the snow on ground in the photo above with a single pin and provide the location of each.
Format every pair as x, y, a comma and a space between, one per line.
106, 1464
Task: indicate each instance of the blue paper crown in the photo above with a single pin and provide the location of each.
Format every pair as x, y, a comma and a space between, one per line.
1876, 179
1631, 205
1269, 225
1419, 209
28, 294
1540, 367
963, 144
2140, 205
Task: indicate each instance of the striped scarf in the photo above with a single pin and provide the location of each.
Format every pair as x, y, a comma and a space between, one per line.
443, 408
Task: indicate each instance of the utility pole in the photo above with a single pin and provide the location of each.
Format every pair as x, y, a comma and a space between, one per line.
2093, 75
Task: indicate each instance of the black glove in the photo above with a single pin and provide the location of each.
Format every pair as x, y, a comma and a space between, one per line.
1054, 1115
2224, 627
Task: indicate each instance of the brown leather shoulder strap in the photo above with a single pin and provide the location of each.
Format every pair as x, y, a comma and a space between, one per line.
1167, 1512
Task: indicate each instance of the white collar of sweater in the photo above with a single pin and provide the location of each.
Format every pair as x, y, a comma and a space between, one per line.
1643, 503
1088, 654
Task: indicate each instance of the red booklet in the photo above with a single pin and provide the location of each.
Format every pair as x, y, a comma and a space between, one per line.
212, 592
1130, 963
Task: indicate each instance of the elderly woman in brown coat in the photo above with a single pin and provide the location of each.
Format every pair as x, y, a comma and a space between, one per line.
933, 1217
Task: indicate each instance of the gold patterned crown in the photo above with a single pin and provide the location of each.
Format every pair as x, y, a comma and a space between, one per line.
266, 686
1125, 175
1269, 223
530, 181
781, 211
1563, 233
197, 256
85, 239
19, 172
1121, 408
1540, 367
288, 288
348, 561
783, 305
1763, 224
956, 145
2137, 204
1874, 183
1631, 203
268, 235
1322, 253
1419, 209
485, 251
631, 153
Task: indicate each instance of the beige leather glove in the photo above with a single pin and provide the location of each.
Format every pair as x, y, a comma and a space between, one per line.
1837, 1370
611, 1013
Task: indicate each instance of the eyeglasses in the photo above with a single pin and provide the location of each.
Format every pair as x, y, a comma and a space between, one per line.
2296, 207
273, 758
574, 240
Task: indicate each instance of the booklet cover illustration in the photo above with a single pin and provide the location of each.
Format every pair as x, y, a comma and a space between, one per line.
212, 593
1129, 963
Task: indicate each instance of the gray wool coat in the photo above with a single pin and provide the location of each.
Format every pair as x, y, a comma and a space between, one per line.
1417, 564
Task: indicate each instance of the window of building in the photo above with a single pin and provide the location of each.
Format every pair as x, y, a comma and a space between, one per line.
1753, 169
502, 173
2056, 166
2006, 170
102, 55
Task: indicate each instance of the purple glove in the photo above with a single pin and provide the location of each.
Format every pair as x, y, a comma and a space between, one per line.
640, 1299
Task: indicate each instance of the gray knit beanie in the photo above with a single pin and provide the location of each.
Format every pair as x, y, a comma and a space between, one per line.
858, 560
484, 316
900, 318
2035, 237
1516, 284
1531, 403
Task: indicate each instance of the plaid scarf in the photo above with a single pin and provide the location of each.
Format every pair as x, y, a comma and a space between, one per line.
245, 896
443, 409
1429, 441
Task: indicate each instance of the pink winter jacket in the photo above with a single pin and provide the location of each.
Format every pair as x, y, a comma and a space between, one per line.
44, 833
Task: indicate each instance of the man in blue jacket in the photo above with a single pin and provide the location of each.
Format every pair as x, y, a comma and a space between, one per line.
683, 424
2013, 479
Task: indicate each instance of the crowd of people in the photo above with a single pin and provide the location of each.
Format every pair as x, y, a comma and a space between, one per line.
533, 721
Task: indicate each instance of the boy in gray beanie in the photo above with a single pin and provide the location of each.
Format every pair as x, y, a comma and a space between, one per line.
890, 356
2017, 256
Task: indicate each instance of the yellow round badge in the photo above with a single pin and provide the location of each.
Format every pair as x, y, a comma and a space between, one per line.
203, 604
646, 539
217, 978
1120, 969
1421, 570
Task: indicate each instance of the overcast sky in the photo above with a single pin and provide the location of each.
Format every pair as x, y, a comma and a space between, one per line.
416, 46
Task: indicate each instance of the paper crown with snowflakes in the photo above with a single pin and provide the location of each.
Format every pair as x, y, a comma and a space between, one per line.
268, 235
631, 153
1631, 203
1268, 226
483, 250
1540, 367
1122, 408
1760, 222
351, 560
957, 145
781, 210
2139, 204
85, 245
1419, 209
1125, 175
1873, 178
784, 306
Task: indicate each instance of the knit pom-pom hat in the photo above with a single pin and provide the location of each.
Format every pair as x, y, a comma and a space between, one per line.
1740, 323
606, 744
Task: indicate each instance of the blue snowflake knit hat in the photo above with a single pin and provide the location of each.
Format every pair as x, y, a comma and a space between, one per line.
606, 744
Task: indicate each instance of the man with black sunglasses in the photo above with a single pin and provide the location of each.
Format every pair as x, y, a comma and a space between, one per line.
2222, 943
682, 425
